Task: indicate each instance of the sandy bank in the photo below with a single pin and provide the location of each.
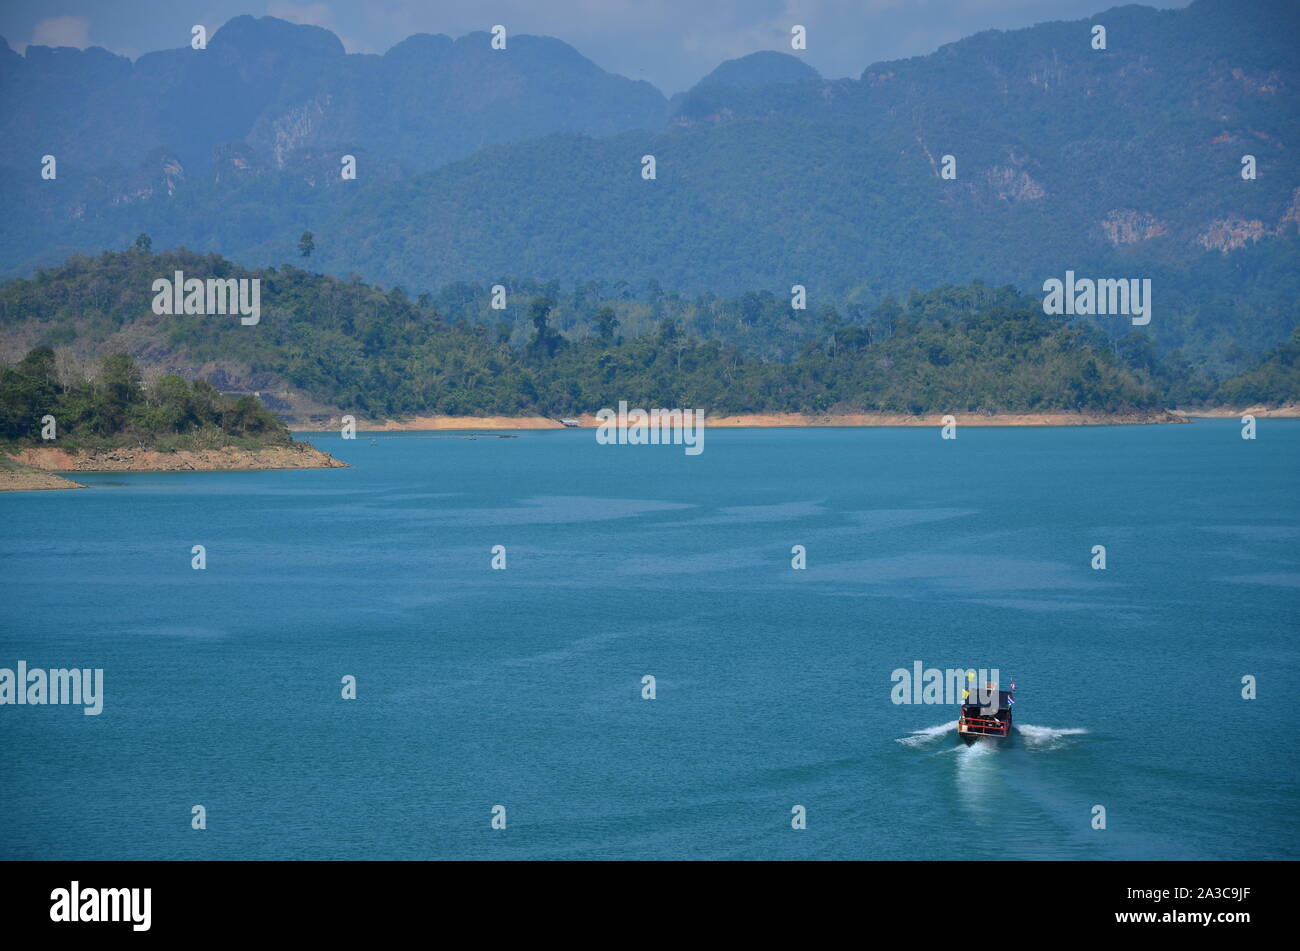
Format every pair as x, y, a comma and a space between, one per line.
1290, 411
936, 419
763, 420
434, 423
297, 456
15, 477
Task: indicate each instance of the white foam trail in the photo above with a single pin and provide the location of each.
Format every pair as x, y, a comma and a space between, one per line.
977, 749
1045, 737
928, 735
978, 778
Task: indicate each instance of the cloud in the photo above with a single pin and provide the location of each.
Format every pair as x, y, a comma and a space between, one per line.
62, 31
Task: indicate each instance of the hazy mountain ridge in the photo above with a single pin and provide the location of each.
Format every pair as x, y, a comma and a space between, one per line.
278, 87
1120, 163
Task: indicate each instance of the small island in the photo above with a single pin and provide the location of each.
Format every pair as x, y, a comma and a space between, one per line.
116, 422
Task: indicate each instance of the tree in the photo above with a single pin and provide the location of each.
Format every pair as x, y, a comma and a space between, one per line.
119, 379
307, 244
539, 312
143, 243
545, 340
172, 406
27, 393
39, 365
606, 324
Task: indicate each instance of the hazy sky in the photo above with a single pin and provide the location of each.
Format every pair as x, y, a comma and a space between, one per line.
671, 43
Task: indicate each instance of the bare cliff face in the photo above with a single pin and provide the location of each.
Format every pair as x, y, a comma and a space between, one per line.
1126, 226
1235, 232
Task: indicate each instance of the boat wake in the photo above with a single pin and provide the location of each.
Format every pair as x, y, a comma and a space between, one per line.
928, 735
1046, 737
1033, 737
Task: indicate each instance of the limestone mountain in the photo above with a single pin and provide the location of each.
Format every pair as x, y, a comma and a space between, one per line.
280, 88
1120, 162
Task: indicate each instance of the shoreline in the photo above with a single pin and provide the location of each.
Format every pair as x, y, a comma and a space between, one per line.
39, 467
1287, 411
16, 477
776, 420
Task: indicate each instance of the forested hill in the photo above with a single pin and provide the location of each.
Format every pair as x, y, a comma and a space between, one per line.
113, 407
325, 345
1117, 162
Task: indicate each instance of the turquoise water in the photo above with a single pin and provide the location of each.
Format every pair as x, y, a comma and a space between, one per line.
522, 687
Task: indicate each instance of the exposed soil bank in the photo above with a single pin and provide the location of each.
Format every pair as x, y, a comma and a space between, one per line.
297, 456
435, 423
1290, 411
15, 477
936, 419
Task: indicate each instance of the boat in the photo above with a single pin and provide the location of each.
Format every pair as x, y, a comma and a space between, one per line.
991, 723
571, 423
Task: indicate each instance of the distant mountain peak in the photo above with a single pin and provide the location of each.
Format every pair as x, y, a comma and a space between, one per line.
253, 34
419, 45
764, 68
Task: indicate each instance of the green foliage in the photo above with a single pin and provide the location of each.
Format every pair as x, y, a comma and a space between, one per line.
606, 324
1274, 381
116, 408
377, 352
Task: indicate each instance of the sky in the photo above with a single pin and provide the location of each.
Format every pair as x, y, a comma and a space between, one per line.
671, 43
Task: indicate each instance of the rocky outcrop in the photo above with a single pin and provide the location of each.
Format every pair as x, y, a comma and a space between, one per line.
283, 134
1290, 217
1125, 226
1014, 184
1228, 234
